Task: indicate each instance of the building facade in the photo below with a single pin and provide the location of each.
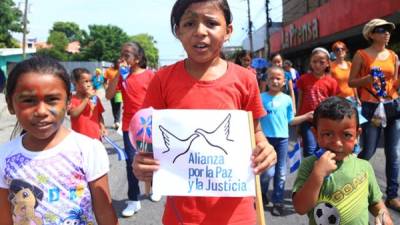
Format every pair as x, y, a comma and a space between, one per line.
294, 9
10, 56
327, 22
259, 39
334, 20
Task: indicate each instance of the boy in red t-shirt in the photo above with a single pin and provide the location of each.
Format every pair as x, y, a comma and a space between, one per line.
86, 108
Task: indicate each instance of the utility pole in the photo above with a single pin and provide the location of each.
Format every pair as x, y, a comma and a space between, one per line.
267, 25
24, 31
250, 27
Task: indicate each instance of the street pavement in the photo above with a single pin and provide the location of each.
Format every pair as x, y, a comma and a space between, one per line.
151, 212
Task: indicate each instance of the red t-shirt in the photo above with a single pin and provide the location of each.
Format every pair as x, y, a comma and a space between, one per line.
174, 88
314, 90
133, 92
85, 123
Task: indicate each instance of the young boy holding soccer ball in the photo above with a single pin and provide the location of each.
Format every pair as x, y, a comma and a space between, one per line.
334, 186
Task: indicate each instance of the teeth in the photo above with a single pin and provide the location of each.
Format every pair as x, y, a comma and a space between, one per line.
42, 124
200, 46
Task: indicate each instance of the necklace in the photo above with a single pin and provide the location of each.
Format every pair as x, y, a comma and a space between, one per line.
379, 84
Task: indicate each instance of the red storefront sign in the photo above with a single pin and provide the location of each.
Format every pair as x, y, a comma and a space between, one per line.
332, 17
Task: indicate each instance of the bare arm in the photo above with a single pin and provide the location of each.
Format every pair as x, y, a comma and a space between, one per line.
102, 203
290, 85
263, 86
76, 111
307, 196
354, 80
300, 119
103, 129
264, 156
5, 212
112, 87
300, 94
396, 72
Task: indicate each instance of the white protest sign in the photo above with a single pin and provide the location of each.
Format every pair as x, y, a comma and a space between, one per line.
202, 153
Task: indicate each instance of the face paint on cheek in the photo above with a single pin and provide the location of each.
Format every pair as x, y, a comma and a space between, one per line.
53, 111
62, 112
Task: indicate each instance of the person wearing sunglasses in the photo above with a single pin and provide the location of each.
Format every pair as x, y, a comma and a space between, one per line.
374, 74
340, 70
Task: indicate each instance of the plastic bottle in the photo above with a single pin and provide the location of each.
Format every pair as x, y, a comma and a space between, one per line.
93, 99
124, 71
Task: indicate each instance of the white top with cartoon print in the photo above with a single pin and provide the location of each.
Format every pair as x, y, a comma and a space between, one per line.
51, 187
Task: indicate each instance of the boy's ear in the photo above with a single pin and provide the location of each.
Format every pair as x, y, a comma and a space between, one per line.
359, 131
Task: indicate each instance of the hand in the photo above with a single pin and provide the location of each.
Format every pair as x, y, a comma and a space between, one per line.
325, 165
103, 131
91, 105
383, 218
372, 79
310, 115
122, 62
263, 157
358, 102
90, 91
144, 165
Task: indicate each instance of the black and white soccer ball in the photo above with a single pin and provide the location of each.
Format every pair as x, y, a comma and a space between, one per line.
326, 214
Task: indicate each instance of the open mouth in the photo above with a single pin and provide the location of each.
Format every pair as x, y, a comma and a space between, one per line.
201, 46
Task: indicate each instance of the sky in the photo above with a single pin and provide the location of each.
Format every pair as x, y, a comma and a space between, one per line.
138, 16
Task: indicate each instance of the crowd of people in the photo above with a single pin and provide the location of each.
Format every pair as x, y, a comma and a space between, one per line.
50, 174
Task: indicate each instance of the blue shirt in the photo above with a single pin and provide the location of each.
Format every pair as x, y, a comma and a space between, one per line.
97, 81
279, 114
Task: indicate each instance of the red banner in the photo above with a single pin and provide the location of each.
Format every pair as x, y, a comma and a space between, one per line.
332, 17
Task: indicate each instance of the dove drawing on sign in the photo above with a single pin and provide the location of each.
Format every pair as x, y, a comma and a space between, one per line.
216, 138
213, 138
172, 141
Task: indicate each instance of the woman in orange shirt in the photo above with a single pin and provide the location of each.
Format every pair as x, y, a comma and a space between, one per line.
374, 90
340, 70
116, 101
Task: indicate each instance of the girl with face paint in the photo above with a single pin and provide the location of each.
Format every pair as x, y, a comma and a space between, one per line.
48, 155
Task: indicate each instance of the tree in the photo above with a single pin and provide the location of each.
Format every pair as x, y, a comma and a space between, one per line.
10, 21
148, 44
58, 42
70, 29
103, 43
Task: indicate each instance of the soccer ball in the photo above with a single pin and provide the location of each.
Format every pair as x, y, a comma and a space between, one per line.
326, 214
